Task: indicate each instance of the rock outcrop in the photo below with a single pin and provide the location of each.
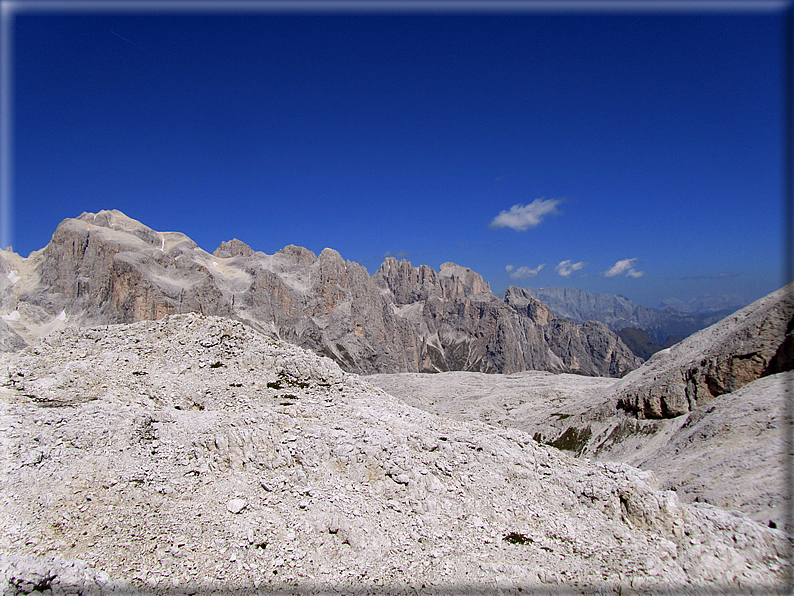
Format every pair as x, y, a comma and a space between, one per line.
729, 452
194, 455
589, 349
751, 343
107, 268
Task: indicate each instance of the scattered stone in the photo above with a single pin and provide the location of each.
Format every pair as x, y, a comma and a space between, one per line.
236, 505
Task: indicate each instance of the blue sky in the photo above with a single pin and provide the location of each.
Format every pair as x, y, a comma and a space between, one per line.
626, 152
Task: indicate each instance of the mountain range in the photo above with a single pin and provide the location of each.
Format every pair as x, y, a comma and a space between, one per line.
665, 326
107, 268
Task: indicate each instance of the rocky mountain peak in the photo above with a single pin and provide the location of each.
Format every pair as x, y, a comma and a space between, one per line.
459, 282
233, 248
522, 301
114, 219
406, 283
301, 257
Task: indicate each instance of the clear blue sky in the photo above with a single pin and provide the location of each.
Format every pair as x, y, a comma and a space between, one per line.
500, 142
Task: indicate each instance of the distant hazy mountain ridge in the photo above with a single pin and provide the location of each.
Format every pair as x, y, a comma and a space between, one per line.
618, 312
107, 268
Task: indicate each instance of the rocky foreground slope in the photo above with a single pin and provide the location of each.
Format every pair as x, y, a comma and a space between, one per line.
730, 453
707, 416
107, 268
194, 454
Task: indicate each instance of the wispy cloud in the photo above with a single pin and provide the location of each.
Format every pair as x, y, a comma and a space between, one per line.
521, 217
565, 268
524, 272
626, 265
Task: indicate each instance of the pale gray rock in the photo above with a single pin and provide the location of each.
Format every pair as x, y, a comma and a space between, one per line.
233, 248
52, 575
108, 268
10, 340
236, 506
589, 349
729, 452
138, 446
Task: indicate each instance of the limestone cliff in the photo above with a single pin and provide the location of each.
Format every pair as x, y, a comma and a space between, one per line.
108, 268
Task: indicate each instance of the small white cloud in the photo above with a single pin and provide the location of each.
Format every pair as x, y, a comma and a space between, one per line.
525, 272
620, 267
565, 268
520, 217
626, 265
509, 268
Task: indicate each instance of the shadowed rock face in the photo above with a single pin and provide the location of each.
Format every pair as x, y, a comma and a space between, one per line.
583, 348
107, 268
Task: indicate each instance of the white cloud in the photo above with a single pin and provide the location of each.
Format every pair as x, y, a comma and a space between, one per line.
520, 217
509, 268
525, 272
626, 265
565, 268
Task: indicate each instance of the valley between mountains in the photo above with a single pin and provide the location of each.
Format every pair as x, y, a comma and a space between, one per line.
179, 422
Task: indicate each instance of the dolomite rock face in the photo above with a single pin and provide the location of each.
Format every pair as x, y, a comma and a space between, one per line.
589, 349
753, 342
108, 268
193, 454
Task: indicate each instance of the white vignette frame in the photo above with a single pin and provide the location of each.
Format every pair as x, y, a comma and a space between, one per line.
10, 8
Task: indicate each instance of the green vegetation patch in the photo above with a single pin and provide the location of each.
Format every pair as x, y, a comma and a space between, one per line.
516, 538
573, 439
